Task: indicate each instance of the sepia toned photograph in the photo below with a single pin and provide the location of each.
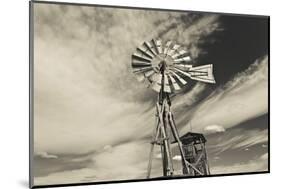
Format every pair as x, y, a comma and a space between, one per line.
124, 94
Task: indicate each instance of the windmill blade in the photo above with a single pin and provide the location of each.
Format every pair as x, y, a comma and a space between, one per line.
146, 75
151, 47
141, 56
183, 59
149, 73
174, 83
146, 51
158, 44
179, 53
173, 50
176, 47
203, 73
204, 68
202, 79
135, 62
183, 66
167, 87
182, 72
138, 58
198, 73
167, 47
153, 77
136, 66
140, 70
156, 85
140, 62
182, 81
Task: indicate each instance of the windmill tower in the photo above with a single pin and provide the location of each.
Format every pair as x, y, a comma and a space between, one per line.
165, 67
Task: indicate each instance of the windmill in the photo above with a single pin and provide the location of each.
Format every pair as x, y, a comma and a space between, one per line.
166, 67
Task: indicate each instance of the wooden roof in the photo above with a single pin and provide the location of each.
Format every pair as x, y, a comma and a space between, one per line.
191, 137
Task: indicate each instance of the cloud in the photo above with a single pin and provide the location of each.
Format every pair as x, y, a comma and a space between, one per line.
244, 97
125, 161
107, 148
85, 92
238, 139
46, 155
189, 98
65, 177
214, 129
87, 102
254, 165
193, 31
253, 138
177, 158
264, 156
216, 158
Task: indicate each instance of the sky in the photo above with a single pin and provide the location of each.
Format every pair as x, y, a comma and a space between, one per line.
93, 120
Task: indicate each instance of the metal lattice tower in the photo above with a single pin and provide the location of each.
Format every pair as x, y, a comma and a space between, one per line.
166, 67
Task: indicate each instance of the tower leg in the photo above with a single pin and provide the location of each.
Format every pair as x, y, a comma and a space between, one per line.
154, 141
166, 146
168, 131
166, 149
160, 137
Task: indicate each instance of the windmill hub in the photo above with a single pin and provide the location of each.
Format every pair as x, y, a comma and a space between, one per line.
162, 60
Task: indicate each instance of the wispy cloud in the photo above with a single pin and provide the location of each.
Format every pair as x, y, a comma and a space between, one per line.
189, 98
242, 98
214, 129
88, 94
239, 139
125, 161
66, 177
254, 165
46, 155
193, 31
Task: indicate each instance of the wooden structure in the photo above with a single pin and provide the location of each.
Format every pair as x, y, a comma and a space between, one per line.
195, 153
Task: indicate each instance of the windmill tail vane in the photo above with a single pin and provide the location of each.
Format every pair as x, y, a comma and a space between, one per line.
166, 68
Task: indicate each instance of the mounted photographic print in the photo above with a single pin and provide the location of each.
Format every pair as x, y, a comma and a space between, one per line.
122, 94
